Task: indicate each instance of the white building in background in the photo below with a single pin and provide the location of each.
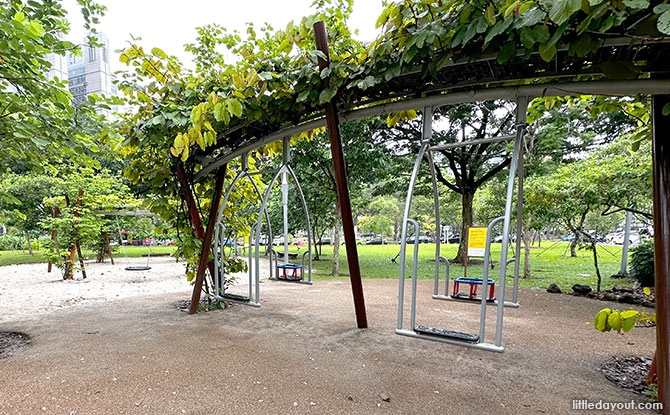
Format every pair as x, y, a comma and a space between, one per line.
59, 67
91, 73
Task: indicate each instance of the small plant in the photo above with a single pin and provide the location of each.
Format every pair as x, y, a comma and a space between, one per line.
607, 320
642, 263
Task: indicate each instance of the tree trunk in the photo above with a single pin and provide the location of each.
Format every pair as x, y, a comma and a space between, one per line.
573, 248
336, 243
314, 241
595, 263
30, 246
466, 212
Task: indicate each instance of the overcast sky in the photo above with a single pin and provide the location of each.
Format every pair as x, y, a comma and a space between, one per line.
169, 24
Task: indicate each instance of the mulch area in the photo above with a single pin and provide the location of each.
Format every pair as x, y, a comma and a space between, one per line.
12, 343
205, 305
629, 372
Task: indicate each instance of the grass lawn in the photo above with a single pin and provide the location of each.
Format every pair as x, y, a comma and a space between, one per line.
23, 257
547, 266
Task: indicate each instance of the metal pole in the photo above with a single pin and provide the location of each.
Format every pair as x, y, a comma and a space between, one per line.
521, 110
415, 270
308, 223
626, 244
403, 233
284, 196
519, 223
339, 165
661, 174
485, 277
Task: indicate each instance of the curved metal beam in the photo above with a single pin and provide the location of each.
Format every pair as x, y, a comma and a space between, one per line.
614, 88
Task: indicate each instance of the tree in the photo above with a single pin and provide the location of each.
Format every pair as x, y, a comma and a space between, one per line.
22, 201
37, 119
613, 174
464, 170
366, 164
81, 199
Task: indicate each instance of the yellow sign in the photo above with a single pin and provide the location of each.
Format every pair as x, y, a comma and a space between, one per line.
477, 241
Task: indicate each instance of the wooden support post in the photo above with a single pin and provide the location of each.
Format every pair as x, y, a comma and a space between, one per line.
56, 213
192, 207
661, 173
333, 124
109, 248
81, 259
207, 241
75, 244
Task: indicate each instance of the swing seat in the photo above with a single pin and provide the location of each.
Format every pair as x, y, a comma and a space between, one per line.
473, 283
456, 335
290, 272
138, 268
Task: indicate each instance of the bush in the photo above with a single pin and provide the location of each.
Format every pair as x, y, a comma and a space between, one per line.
642, 263
10, 243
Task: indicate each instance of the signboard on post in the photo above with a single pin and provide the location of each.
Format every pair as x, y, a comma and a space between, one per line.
476, 241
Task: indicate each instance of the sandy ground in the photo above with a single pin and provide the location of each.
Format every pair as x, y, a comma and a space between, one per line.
28, 290
301, 353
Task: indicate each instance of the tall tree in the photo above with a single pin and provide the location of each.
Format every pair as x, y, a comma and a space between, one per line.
37, 119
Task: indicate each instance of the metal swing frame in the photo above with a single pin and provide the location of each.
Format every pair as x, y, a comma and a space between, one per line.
285, 171
445, 336
253, 297
135, 213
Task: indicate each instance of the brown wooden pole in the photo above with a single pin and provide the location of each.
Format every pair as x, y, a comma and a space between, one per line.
191, 205
333, 124
55, 213
109, 248
207, 241
81, 259
661, 173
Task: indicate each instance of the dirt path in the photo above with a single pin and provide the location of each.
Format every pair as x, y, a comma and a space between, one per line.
300, 353
29, 290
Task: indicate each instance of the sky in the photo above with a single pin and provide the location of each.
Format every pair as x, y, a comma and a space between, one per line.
169, 24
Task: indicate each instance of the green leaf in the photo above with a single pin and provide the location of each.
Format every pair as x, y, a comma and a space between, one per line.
35, 27
326, 95
629, 314
661, 8
498, 28
663, 23
636, 4
234, 107
600, 321
366, 83
157, 52
490, 14
628, 324
646, 290
547, 52
614, 321
619, 70
507, 52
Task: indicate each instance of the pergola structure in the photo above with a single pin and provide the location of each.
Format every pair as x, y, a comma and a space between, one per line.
464, 81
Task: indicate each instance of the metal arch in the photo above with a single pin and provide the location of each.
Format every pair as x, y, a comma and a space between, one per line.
438, 221
220, 226
307, 220
618, 88
403, 240
521, 111
257, 241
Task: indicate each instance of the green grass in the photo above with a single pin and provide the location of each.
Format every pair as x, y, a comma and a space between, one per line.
547, 266
23, 257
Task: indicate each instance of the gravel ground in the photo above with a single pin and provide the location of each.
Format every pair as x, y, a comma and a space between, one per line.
301, 353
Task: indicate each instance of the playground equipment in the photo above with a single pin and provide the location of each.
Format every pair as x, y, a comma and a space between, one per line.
447, 336
220, 289
136, 213
479, 245
286, 271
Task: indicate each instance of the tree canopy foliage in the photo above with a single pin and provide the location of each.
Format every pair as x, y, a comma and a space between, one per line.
38, 122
